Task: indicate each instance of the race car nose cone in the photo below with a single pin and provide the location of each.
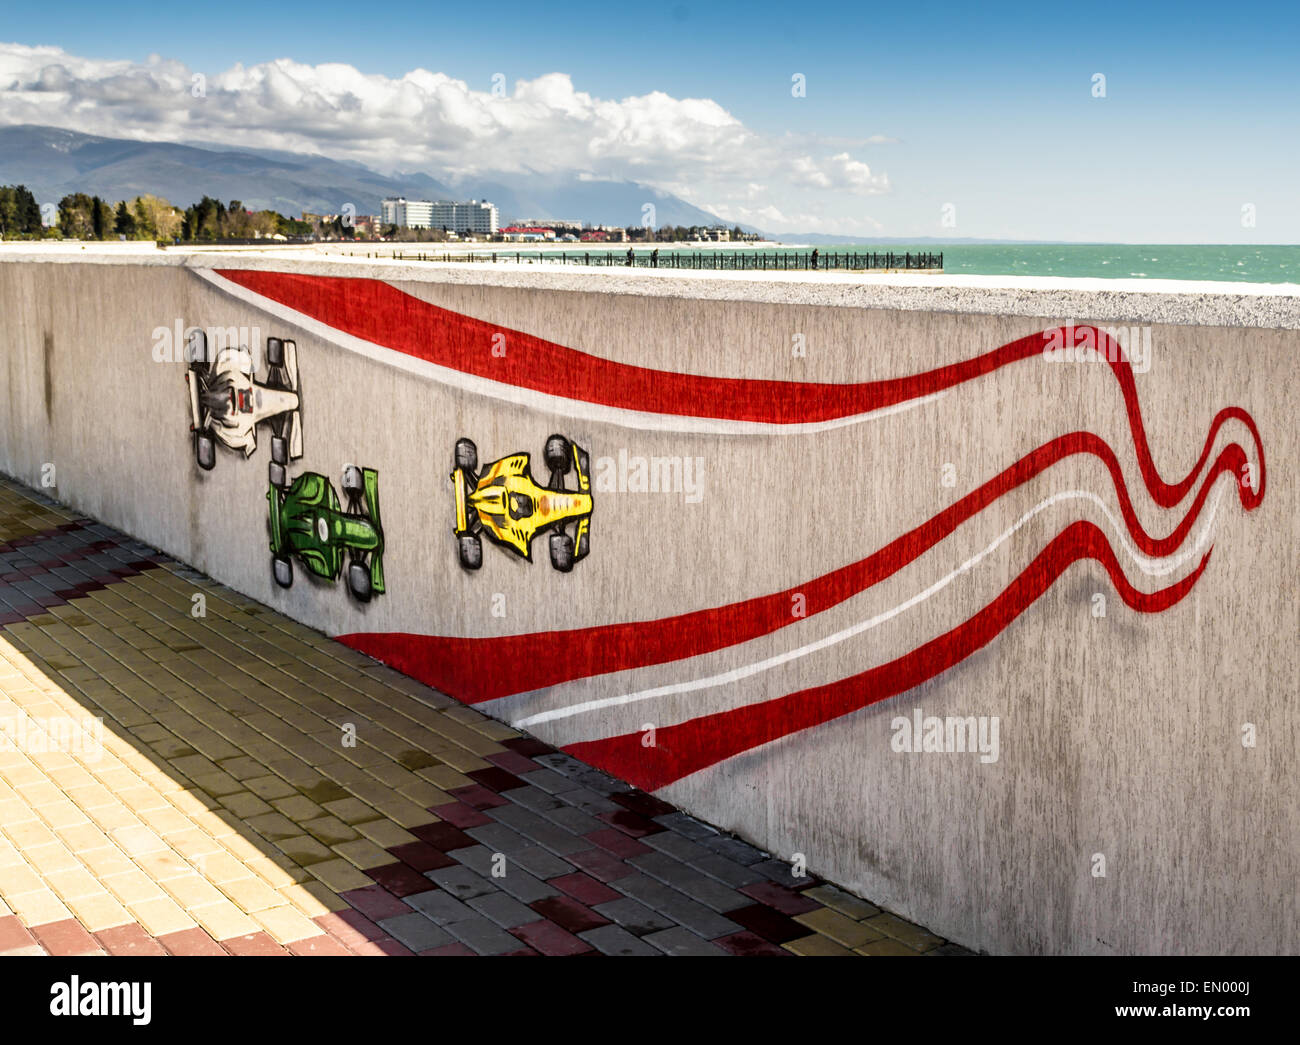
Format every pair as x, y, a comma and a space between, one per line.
322, 528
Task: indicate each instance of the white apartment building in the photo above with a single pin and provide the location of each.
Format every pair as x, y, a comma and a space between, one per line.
474, 216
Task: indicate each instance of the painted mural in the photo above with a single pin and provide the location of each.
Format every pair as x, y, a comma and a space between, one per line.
736, 682
311, 526
227, 405
504, 503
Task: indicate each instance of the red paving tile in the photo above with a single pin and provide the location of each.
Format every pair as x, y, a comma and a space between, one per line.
523, 952
258, 944
400, 880
530, 746
617, 843
584, 888
129, 940
513, 762
494, 779
568, 914
787, 901
747, 945
548, 938
477, 796
319, 946
351, 927
446, 837
601, 864
191, 942
13, 936
421, 857
645, 805
633, 824
458, 814
376, 902
65, 938
384, 945
768, 923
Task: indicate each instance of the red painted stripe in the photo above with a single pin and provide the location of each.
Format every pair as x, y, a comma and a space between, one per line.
383, 315
458, 666
701, 742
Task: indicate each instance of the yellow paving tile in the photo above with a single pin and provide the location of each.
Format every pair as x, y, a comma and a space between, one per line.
133, 886
885, 946
99, 911
224, 920
160, 916
286, 924
819, 946
363, 854
386, 834
340, 875
250, 894
842, 930
37, 907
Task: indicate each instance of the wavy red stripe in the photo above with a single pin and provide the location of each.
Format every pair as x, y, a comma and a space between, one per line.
701, 742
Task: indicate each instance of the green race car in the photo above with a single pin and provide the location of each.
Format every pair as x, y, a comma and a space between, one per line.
309, 524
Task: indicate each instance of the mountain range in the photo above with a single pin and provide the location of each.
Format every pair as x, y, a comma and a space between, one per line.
53, 162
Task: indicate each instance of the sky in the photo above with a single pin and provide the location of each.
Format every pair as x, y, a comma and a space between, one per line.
1103, 122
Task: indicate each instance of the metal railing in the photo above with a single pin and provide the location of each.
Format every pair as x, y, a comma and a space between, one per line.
705, 260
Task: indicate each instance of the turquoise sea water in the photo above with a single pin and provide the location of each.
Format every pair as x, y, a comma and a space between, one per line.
1238, 264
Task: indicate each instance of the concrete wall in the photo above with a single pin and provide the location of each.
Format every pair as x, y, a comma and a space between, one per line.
1120, 732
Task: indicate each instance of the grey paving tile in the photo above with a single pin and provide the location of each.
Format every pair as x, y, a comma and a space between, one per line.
780, 872
415, 931
734, 849
461, 882
679, 942
539, 829
548, 780
588, 801
676, 906
686, 825
565, 765
439, 906
533, 798
675, 845
726, 871
498, 838
523, 886
483, 936
615, 940
633, 915
575, 821
695, 884
503, 909
542, 862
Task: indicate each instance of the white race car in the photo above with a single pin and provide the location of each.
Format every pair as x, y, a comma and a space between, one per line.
227, 405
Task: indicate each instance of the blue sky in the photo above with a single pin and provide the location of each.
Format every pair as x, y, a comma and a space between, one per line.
989, 116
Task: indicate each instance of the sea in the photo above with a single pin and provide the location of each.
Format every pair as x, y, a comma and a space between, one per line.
1236, 264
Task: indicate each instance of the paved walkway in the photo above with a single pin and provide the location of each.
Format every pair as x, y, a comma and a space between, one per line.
253, 787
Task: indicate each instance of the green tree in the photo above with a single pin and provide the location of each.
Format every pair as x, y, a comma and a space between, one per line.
124, 221
100, 217
75, 216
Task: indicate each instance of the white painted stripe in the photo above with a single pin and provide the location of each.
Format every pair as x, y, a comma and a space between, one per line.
1150, 566
576, 408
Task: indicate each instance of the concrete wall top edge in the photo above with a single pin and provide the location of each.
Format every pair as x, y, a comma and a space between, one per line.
1171, 302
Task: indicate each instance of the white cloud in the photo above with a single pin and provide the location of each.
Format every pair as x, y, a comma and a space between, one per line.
428, 121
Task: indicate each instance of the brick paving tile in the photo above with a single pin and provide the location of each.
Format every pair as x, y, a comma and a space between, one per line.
747, 945
224, 805
548, 938
568, 913
258, 943
66, 938
129, 940
192, 942
584, 888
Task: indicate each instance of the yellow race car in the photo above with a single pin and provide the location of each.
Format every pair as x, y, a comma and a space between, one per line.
505, 503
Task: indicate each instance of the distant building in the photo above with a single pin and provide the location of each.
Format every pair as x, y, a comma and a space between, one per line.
522, 233
477, 216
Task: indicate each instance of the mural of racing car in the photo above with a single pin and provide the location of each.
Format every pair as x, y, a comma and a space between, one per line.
309, 524
505, 503
227, 405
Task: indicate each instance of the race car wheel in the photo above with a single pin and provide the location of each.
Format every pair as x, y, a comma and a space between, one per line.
205, 452
282, 570
557, 455
277, 475
471, 550
279, 450
359, 581
274, 352
353, 483
562, 552
466, 455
